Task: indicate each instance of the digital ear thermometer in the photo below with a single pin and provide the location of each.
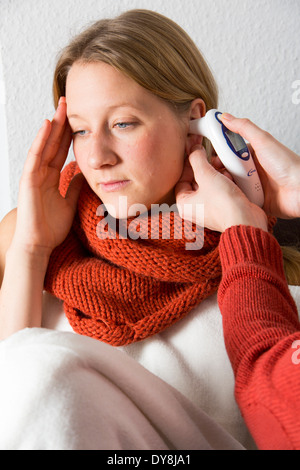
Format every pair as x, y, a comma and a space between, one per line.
233, 153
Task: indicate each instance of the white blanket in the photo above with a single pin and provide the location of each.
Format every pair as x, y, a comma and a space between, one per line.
190, 357
61, 391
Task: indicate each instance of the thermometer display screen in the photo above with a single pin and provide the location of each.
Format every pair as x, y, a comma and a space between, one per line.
236, 140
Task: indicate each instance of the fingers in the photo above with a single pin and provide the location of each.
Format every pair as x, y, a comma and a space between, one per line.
199, 163
63, 150
262, 144
57, 131
74, 190
246, 128
268, 153
34, 157
51, 145
185, 183
194, 172
219, 166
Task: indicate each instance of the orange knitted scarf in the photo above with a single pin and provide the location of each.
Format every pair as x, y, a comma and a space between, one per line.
121, 290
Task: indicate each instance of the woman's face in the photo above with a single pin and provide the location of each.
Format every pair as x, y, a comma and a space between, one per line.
126, 141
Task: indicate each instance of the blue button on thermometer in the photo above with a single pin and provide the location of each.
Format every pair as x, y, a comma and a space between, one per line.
233, 153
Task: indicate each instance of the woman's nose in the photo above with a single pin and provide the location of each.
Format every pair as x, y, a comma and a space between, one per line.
101, 153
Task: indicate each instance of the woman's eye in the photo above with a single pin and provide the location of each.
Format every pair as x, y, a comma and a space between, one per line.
82, 133
123, 125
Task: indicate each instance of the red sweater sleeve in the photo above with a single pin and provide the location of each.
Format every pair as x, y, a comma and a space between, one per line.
262, 336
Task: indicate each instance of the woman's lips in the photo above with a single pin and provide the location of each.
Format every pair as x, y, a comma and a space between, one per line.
114, 185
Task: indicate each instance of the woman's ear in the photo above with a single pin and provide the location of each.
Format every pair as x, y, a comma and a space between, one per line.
197, 110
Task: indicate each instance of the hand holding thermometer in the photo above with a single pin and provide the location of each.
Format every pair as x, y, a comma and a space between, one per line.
233, 153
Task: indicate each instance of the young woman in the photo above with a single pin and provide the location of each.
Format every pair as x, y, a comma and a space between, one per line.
130, 96
125, 90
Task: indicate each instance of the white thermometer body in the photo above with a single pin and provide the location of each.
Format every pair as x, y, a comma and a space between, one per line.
233, 153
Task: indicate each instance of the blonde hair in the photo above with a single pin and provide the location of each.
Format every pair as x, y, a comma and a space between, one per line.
291, 263
149, 48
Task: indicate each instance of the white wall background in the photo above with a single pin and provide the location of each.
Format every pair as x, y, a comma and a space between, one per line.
252, 46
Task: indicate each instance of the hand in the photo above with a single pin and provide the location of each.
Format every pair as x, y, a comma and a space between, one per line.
44, 217
278, 168
224, 203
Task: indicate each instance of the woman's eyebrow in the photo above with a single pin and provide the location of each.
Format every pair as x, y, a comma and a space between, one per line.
123, 105
74, 116
111, 108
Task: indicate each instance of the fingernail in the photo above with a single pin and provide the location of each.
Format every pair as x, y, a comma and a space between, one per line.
227, 117
62, 99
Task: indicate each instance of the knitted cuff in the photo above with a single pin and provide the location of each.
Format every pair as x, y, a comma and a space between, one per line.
245, 244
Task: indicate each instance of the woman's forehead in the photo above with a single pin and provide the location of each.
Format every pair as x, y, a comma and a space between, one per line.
99, 84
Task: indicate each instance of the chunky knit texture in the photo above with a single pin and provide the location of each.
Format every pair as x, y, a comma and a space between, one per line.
120, 290
260, 322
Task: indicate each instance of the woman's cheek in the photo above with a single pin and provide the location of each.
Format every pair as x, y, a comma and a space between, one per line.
79, 157
141, 154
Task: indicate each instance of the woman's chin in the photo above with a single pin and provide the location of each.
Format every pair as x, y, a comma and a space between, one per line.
124, 210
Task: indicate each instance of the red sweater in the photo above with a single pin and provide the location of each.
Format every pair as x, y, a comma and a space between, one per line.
262, 336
